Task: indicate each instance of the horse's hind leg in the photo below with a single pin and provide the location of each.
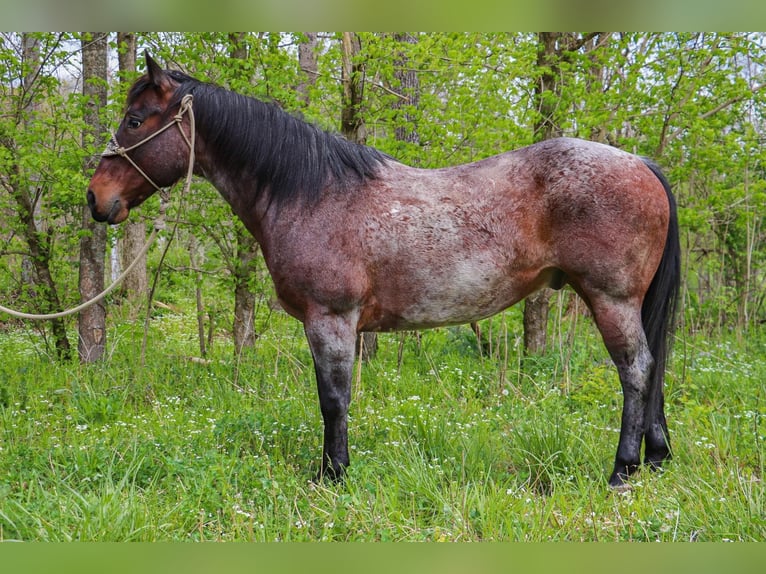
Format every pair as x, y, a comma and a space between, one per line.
657, 445
332, 340
621, 328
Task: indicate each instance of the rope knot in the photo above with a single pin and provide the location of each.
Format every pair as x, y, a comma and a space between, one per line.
186, 104
113, 148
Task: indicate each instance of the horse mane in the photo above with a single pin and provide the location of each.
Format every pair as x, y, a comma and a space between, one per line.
292, 159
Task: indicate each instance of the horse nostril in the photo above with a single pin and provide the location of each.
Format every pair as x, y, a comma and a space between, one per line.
91, 197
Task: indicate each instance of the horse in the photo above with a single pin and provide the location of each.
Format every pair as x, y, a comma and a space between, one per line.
356, 241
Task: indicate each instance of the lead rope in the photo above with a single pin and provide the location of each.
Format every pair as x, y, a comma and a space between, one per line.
113, 148
97, 298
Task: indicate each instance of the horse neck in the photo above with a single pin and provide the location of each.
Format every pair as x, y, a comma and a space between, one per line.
243, 201
242, 152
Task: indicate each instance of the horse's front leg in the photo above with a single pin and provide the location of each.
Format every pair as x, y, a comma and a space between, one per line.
332, 339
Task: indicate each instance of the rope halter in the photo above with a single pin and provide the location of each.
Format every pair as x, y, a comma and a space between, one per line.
113, 148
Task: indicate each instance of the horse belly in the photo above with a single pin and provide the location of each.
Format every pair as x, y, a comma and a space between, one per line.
448, 260
438, 295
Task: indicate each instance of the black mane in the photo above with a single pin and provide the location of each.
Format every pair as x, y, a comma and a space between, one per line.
290, 158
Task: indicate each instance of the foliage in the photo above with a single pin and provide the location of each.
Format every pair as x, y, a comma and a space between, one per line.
447, 445
692, 101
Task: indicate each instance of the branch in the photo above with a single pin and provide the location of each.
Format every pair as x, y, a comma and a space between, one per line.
580, 42
715, 110
730, 102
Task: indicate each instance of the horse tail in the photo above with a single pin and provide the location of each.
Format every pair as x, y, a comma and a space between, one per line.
658, 312
661, 300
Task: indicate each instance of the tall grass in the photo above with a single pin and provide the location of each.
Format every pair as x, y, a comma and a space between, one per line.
446, 444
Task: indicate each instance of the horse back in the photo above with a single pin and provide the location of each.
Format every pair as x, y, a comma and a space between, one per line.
416, 248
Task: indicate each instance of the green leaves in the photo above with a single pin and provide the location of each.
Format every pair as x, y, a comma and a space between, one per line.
695, 102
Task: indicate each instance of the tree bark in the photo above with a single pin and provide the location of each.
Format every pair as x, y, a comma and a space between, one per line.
92, 324
352, 127
307, 60
26, 192
243, 329
352, 75
136, 284
547, 92
409, 88
244, 298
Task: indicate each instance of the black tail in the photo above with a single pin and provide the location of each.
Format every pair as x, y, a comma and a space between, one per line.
658, 315
660, 303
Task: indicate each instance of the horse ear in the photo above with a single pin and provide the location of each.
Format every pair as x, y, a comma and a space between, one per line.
156, 74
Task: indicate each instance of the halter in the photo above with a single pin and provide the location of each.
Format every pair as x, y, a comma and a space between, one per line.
113, 147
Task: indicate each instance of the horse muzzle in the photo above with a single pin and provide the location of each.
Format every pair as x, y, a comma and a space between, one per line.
114, 212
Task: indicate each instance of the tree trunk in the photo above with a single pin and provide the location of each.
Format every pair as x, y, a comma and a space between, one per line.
408, 87
136, 284
196, 261
92, 324
352, 75
244, 298
307, 60
40, 256
31, 60
352, 127
36, 267
547, 92
243, 329
548, 86
553, 49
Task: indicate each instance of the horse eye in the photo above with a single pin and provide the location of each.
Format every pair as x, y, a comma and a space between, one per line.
133, 123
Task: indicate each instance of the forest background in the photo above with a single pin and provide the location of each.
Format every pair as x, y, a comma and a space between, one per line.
693, 102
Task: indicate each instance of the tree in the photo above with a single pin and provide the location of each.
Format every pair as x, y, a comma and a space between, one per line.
352, 127
136, 283
307, 60
547, 92
26, 183
554, 49
407, 86
247, 251
352, 81
92, 325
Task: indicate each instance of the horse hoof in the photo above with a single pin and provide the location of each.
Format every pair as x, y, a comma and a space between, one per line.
619, 481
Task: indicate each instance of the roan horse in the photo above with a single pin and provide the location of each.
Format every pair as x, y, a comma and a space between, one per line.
356, 241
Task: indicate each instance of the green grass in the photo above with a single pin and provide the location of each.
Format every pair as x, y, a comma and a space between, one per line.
447, 445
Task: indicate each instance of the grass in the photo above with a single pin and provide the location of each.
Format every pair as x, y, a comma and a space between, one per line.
447, 445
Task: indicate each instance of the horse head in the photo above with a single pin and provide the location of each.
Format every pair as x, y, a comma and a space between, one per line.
146, 153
